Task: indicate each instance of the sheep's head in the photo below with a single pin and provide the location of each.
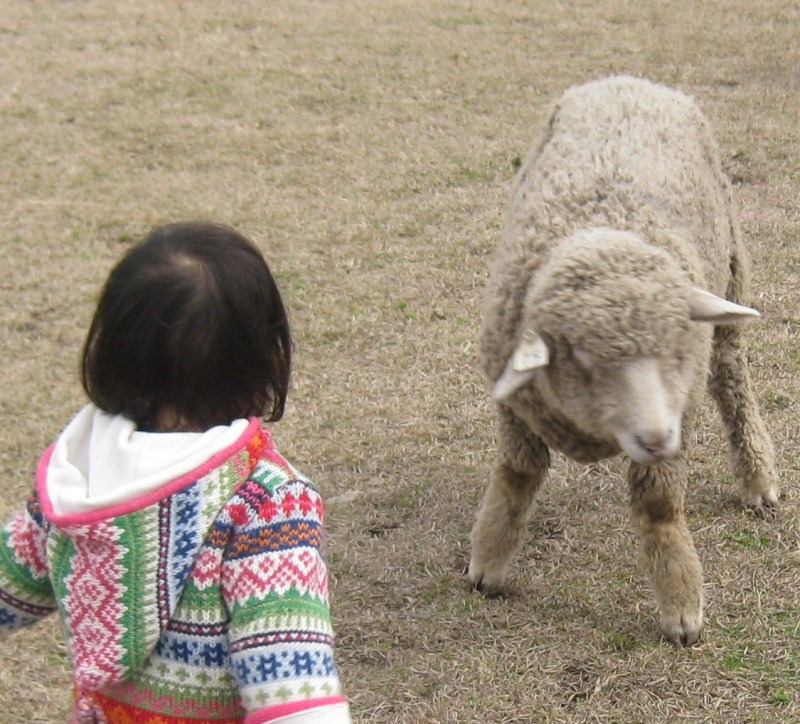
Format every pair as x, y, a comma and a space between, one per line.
609, 338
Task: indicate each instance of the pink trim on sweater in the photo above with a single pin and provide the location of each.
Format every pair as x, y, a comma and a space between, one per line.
41, 481
274, 456
271, 713
143, 501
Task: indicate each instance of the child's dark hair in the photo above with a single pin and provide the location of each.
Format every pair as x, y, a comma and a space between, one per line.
190, 320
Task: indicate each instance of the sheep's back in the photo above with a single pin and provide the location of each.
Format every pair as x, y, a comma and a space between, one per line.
622, 153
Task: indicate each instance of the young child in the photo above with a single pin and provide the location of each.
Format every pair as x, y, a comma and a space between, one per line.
181, 551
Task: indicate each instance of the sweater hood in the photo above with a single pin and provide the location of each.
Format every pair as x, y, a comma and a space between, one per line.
127, 513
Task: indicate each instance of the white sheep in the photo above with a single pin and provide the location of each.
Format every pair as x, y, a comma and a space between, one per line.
620, 242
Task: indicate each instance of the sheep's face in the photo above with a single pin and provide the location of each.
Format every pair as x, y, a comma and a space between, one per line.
636, 400
638, 403
646, 423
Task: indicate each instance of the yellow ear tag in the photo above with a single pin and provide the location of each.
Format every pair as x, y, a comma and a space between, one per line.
532, 352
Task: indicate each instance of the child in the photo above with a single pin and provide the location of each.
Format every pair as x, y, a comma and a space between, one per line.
180, 549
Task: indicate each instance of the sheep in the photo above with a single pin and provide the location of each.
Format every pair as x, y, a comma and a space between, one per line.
612, 301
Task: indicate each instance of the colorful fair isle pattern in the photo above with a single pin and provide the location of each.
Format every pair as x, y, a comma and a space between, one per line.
210, 604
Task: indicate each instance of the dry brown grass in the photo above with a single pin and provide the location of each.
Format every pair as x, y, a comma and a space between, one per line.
368, 148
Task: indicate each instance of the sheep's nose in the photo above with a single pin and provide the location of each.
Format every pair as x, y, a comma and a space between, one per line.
657, 451
657, 445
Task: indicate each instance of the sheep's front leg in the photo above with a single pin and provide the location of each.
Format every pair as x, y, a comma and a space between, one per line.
523, 460
749, 442
672, 564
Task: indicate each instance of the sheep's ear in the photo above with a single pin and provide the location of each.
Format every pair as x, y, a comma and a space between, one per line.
530, 354
707, 307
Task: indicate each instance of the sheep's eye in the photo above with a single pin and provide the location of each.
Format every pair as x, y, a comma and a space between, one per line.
584, 359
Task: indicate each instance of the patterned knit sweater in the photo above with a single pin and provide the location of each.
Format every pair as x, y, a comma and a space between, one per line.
202, 600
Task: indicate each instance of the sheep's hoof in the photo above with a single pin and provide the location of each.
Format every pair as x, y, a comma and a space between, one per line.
478, 582
488, 591
682, 630
764, 502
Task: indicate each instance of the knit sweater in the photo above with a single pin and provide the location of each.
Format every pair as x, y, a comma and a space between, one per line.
203, 598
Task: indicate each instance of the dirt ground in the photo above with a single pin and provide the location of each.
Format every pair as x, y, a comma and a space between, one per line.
369, 148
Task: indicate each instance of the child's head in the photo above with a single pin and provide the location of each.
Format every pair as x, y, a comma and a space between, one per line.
190, 332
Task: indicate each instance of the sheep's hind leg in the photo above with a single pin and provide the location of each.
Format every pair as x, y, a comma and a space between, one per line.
669, 553
523, 460
749, 442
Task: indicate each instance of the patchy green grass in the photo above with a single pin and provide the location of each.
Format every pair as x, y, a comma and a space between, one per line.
746, 538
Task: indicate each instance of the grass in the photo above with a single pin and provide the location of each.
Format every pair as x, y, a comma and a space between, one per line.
369, 149
746, 538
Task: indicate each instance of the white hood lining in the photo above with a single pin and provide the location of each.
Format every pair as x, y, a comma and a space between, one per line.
101, 460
